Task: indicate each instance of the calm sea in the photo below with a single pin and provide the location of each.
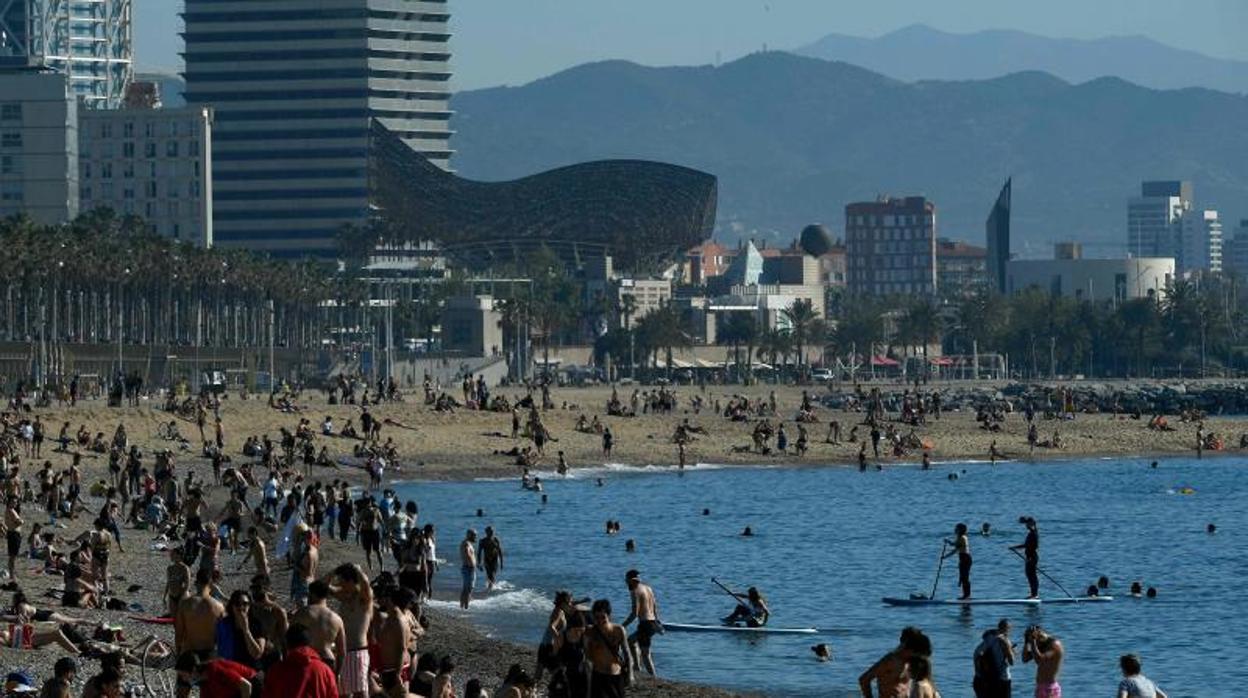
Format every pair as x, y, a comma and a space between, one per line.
830, 542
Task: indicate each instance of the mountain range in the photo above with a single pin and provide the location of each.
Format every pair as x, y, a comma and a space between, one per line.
919, 52
793, 139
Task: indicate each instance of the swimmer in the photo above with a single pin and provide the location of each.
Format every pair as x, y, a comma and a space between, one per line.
1137, 589
1154, 465
707, 512
1093, 591
480, 513
747, 532
1103, 582
630, 546
985, 530
822, 652
1211, 528
1151, 593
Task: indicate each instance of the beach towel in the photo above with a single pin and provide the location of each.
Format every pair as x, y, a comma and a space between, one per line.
153, 620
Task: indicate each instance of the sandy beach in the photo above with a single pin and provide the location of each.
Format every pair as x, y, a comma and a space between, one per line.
461, 446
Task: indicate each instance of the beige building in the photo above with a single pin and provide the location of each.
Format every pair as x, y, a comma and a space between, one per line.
1093, 279
38, 146
153, 163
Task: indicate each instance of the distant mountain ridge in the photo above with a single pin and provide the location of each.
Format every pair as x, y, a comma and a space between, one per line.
793, 139
919, 52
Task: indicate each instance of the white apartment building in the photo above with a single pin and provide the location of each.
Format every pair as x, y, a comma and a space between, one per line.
38, 146
294, 85
1164, 222
648, 295
152, 163
1093, 279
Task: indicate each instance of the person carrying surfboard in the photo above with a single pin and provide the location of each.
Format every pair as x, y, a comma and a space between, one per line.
752, 609
961, 546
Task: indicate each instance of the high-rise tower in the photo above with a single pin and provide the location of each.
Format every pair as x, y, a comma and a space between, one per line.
91, 41
294, 85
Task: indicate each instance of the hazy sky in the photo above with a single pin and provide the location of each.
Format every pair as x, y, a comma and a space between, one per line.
514, 41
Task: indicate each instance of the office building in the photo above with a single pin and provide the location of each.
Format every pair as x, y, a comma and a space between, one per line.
1200, 242
1235, 251
150, 162
1114, 280
1153, 218
295, 86
997, 229
38, 146
961, 269
891, 246
648, 296
88, 40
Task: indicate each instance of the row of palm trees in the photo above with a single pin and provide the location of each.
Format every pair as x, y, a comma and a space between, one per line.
106, 279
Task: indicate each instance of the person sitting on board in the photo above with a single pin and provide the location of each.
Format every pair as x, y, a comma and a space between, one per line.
752, 609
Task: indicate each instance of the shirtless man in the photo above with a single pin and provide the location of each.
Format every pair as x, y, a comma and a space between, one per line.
890, 673
468, 566
195, 624
1047, 651
491, 557
13, 533
392, 636
257, 552
355, 601
304, 570
231, 517
271, 618
177, 580
370, 534
325, 628
646, 611
605, 647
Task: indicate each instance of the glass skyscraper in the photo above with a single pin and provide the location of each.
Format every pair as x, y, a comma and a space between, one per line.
295, 85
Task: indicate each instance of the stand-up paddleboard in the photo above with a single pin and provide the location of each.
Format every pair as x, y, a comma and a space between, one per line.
1079, 599
764, 630
892, 601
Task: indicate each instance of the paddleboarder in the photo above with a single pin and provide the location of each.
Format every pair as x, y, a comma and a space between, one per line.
962, 548
752, 609
1031, 555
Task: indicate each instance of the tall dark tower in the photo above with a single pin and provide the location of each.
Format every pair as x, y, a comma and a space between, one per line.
998, 231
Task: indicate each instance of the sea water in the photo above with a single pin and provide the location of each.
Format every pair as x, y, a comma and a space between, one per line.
828, 543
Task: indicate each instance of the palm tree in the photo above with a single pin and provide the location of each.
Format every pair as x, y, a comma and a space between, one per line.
738, 329
801, 317
773, 344
1140, 318
921, 325
664, 329
627, 309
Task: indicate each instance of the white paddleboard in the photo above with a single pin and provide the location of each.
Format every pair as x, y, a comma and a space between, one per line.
764, 630
892, 601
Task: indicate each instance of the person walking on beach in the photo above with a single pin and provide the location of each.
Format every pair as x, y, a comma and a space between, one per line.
468, 567
605, 648
607, 442
1134, 684
1047, 652
370, 534
13, 533
1031, 555
646, 611
961, 546
490, 553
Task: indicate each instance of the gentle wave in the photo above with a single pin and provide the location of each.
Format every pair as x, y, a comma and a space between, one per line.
622, 469
505, 598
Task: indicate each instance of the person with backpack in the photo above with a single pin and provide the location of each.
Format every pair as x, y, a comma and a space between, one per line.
993, 658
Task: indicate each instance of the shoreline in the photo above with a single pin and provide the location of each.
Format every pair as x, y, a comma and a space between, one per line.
459, 447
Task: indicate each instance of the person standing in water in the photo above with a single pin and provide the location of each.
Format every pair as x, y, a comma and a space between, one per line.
1031, 554
646, 611
962, 548
1047, 652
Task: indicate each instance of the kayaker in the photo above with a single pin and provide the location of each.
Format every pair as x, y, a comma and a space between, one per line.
752, 609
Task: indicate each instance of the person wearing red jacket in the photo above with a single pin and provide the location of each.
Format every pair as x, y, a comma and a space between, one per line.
301, 672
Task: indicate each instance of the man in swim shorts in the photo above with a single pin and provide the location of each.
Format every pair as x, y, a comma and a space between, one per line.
646, 611
468, 566
1047, 651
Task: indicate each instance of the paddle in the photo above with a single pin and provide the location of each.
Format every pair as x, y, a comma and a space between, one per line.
726, 590
1046, 575
939, 566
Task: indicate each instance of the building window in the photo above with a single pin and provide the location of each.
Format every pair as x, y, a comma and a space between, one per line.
149, 149
149, 129
84, 170
127, 171
11, 139
192, 148
11, 111
128, 194
84, 193
171, 149
11, 192
127, 149
151, 191
127, 130
10, 165
106, 170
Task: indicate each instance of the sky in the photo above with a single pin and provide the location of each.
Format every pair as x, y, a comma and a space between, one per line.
498, 42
